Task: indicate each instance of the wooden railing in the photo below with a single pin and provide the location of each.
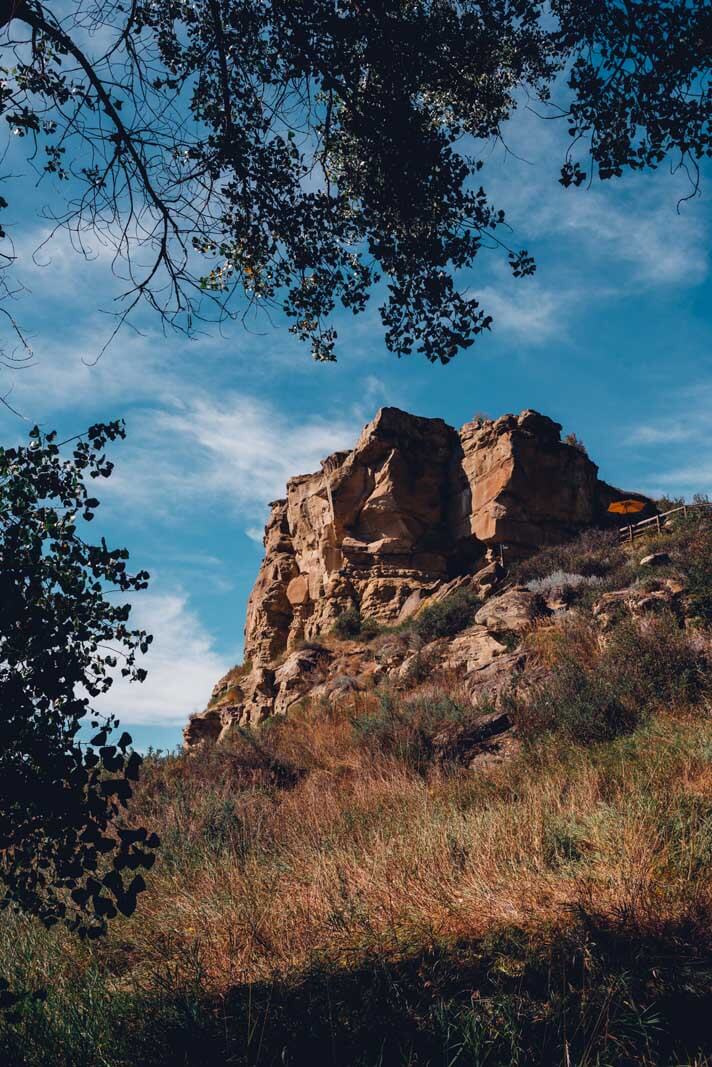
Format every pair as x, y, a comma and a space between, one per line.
630, 532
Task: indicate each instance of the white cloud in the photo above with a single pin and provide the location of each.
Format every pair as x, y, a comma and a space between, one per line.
691, 478
228, 456
688, 417
182, 664
685, 429
525, 311
632, 222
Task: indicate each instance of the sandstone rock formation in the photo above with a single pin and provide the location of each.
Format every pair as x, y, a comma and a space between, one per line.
413, 512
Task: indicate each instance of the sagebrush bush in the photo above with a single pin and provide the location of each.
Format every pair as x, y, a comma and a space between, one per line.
405, 728
563, 586
593, 553
348, 624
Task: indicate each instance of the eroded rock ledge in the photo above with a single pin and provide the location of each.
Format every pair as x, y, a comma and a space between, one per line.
412, 512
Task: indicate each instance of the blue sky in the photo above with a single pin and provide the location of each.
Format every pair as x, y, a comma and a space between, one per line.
611, 337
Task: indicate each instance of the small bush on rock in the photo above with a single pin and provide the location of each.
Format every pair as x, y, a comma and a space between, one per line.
404, 729
446, 618
561, 584
350, 625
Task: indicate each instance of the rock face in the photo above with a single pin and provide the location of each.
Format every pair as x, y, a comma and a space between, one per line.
414, 505
409, 515
365, 531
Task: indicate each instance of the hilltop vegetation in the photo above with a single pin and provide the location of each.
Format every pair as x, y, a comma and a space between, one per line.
340, 887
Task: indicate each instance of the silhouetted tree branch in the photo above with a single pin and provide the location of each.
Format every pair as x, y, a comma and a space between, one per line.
66, 851
304, 154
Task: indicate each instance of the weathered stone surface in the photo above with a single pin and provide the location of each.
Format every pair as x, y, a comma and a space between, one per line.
299, 673
473, 650
414, 512
410, 512
665, 596
513, 611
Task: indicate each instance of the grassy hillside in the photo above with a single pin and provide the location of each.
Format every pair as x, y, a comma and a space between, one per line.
330, 891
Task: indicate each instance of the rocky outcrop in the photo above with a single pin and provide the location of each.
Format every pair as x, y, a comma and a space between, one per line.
512, 612
413, 513
414, 505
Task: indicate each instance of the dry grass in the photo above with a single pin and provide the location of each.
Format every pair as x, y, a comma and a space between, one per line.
365, 859
487, 909
364, 855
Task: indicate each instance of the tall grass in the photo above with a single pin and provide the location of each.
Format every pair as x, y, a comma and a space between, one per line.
326, 893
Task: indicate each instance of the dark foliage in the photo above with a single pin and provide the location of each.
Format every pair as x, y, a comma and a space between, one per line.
446, 618
64, 854
350, 624
592, 993
639, 669
315, 151
699, 573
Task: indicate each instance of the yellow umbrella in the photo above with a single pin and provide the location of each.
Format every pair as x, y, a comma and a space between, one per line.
626, 507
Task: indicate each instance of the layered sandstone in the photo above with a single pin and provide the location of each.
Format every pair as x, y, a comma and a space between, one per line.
408, 514
412, 506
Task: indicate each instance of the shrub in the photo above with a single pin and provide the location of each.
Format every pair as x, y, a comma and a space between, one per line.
405, 729
561, 584
302, 645
699, 576
351, 625
592, 553
607, 693
348, 623
575, 442
419, 667
580, 704
446, 618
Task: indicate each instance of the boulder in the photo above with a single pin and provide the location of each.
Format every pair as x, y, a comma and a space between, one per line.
514, 611
301, 672
664, 596
473, 650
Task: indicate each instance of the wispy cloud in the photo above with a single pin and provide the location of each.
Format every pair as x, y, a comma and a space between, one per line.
182, 664
526, 311
631, 223
231, 455
685, 431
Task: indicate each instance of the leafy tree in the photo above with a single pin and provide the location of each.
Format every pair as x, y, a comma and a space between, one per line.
313, 151
66, 854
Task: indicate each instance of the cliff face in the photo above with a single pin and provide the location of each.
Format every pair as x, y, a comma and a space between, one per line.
413, 508
367, 530
414, 504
